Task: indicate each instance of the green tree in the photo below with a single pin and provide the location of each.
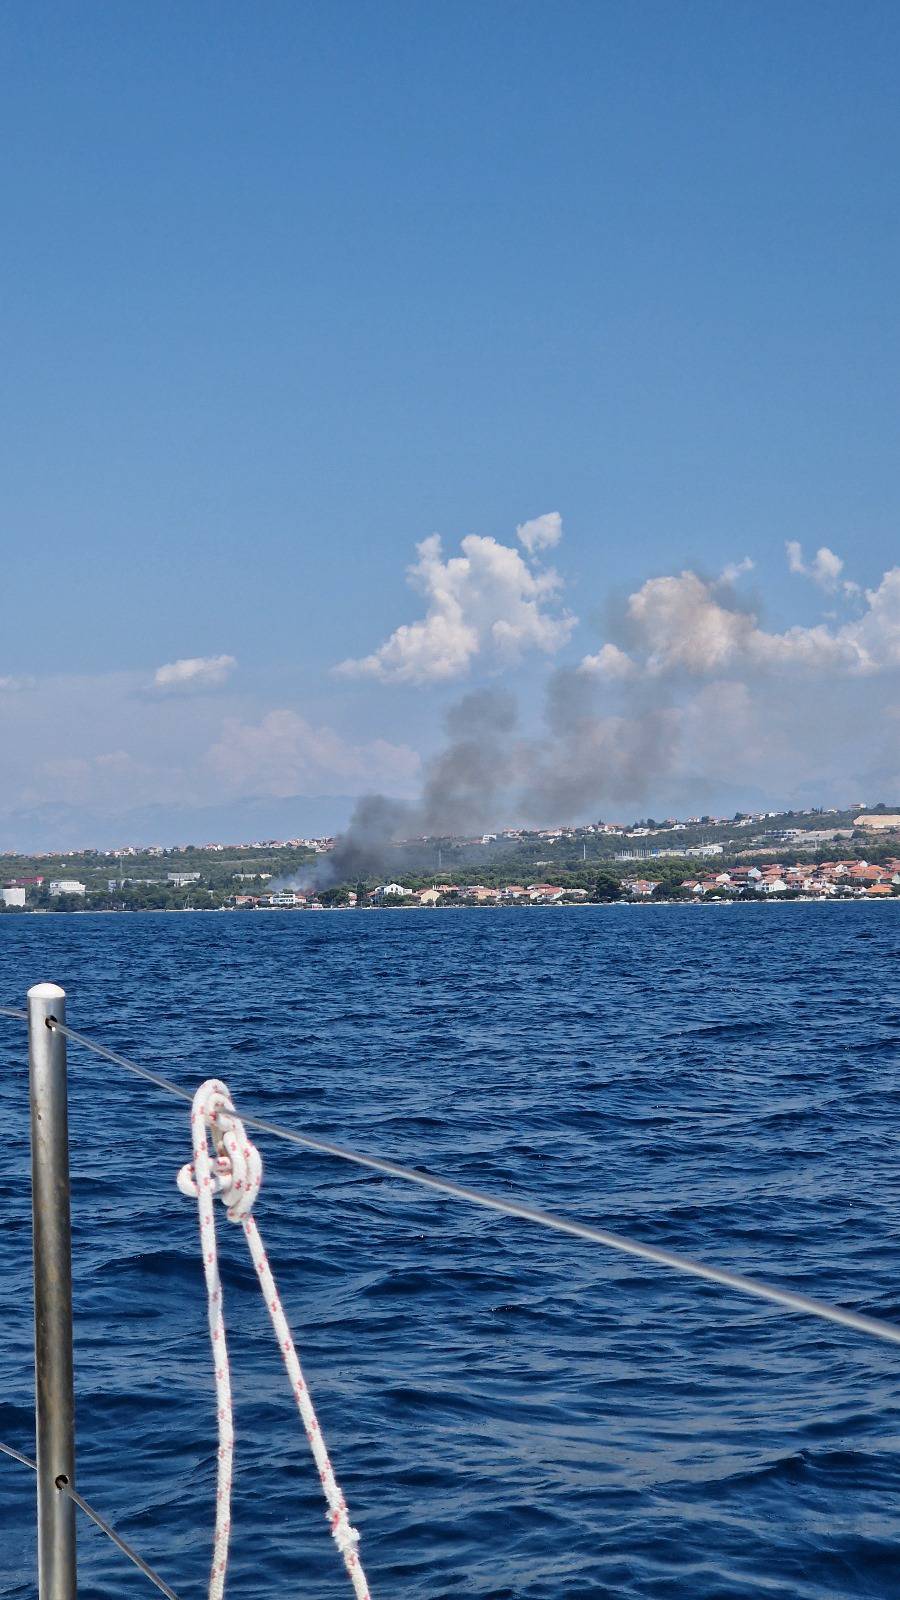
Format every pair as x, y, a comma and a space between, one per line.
338, 896
607, 886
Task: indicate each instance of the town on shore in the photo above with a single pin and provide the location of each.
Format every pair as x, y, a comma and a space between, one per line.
810, 855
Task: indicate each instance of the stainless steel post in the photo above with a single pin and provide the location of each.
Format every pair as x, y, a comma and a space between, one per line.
53, 1366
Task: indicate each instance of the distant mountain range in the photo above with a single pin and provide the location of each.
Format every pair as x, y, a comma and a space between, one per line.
58, 826
61, 827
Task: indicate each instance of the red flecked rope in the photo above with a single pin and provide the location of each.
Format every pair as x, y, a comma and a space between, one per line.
236, 1175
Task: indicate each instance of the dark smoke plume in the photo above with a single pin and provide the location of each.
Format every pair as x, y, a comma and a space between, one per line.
489, 775
467, 785
464, 790
361, 851
588, 759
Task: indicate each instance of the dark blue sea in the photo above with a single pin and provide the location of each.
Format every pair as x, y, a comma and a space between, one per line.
513, 1415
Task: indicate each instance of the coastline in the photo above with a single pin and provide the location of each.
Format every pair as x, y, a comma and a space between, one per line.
588, 905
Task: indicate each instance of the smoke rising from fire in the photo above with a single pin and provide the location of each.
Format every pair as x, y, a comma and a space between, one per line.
489, 773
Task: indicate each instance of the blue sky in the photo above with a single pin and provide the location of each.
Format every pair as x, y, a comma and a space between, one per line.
288, 289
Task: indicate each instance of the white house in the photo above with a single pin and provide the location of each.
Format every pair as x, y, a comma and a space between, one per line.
67, 886
180, 880
14, 896
390, 891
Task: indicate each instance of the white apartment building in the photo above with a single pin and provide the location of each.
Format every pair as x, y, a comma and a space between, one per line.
66, 886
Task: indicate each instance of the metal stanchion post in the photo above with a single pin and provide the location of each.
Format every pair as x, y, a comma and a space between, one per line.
53, 1364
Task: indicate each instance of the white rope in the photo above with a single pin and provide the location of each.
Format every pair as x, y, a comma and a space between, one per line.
236, 1175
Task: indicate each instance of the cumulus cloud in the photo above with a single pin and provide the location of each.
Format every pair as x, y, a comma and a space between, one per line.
194, 672
283, 754
610, 662
876, 633
825, 568
96, 751
736, 569
541, 533
485, 602
681, 624
794, 551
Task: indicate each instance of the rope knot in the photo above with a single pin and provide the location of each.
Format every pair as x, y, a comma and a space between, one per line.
345, 1537
234, 1172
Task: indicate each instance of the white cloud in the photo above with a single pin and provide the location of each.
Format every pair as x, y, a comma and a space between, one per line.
15, 685
876, 634
194, 672
609, 662
541, 533
735, 569
485, 602
825, 568
682, 625
103, 748
283, 755
794, 551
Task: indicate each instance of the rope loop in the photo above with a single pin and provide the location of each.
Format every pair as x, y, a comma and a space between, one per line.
235, 1174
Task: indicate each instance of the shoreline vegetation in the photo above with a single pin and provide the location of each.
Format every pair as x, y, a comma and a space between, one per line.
618, 905
706, 861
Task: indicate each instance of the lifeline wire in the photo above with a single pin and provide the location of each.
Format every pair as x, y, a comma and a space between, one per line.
874, 1327
102, 1524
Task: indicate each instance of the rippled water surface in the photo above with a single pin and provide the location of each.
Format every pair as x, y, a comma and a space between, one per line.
511, 1414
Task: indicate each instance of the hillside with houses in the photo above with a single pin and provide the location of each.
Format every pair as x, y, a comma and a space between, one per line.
813, 855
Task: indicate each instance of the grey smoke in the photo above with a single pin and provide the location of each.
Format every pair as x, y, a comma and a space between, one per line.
589, 757
375, 824
488, 773
467, 785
